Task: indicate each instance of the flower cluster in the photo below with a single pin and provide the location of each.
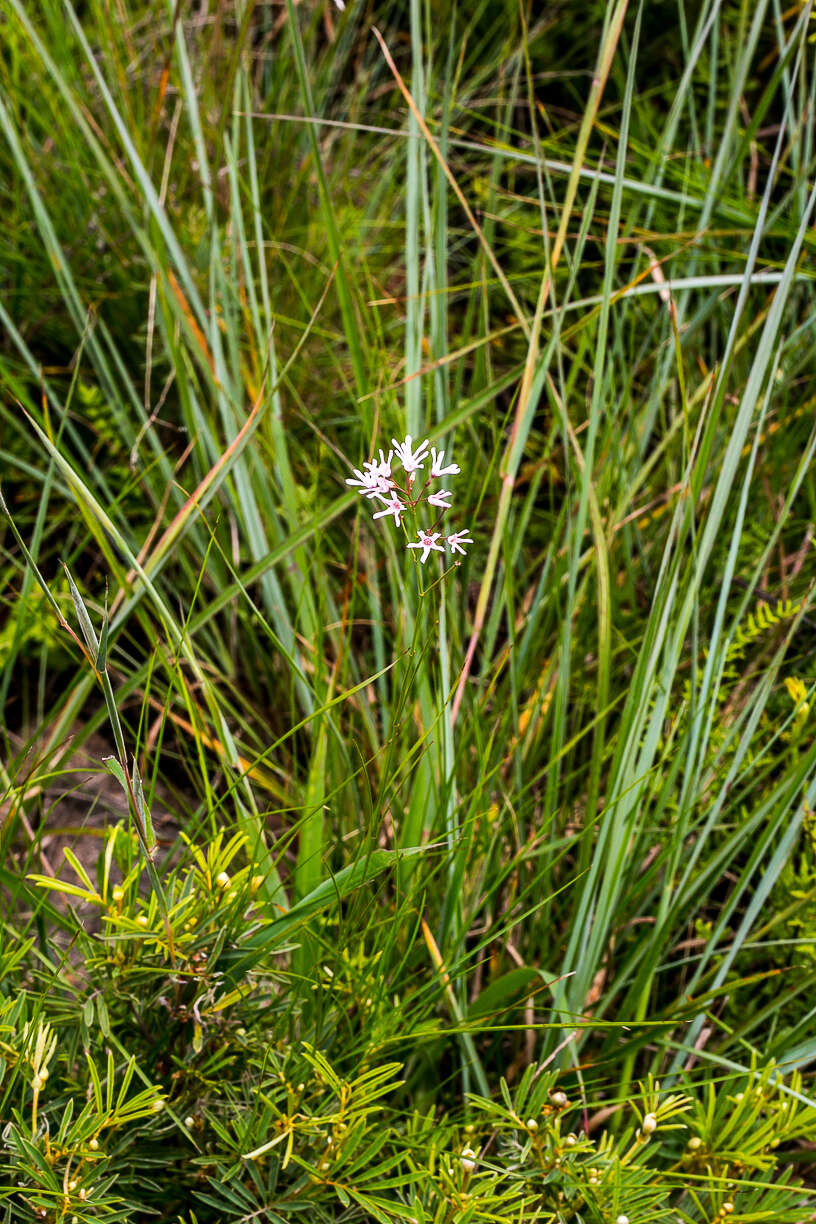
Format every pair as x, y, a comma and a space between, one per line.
378, 482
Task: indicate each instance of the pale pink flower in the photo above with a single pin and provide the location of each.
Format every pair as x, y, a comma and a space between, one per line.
370, 482
383, 468
410, 459
456, 541
428, 544
394, 506
437, 469
438, 499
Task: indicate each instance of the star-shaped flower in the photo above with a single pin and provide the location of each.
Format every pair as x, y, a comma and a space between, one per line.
456, 541
370, 482
428, 544
410, 458
383, 467
394, 506
439, 499
437, 461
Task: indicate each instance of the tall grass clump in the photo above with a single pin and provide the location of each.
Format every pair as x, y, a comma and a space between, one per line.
350, 873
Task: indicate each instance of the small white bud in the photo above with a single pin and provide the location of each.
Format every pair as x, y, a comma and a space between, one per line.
649, 1125
532, 1125
694, 1143
559, 1099
571, 1140
468, 1159
222, 879
622, 1219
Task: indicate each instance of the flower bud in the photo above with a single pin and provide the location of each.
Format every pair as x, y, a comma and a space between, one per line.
468, 1159
559, 1099
649, 1124
222, 879
694, 1143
